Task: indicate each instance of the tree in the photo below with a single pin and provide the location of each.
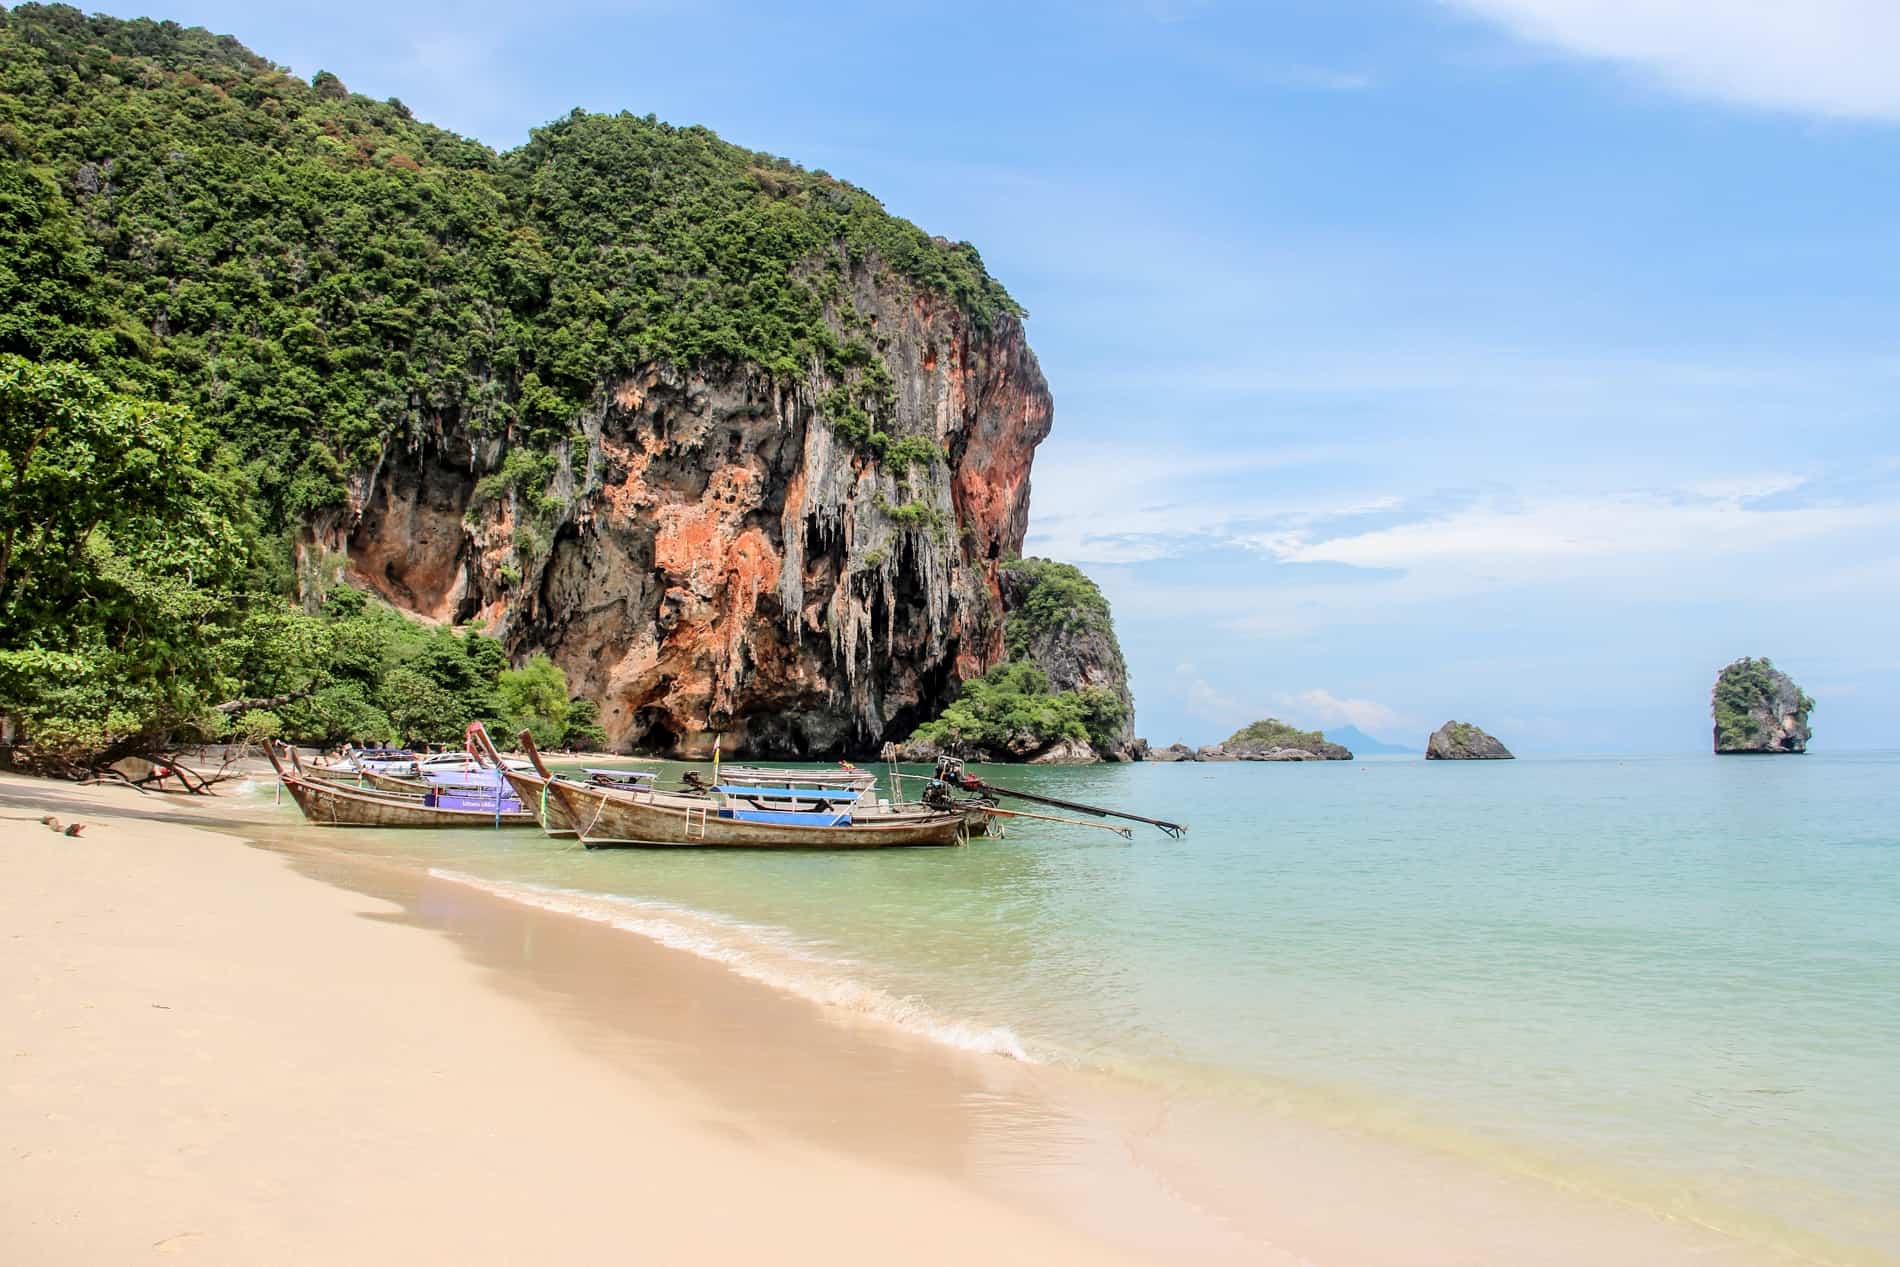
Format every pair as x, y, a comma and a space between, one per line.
419, 710
584, 730
78, 460
123, 550
534, 698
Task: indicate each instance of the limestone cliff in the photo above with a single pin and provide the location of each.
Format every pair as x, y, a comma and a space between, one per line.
710, 556
739, 448
1758, 708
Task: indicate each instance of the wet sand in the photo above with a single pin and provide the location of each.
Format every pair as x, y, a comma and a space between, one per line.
214, 1057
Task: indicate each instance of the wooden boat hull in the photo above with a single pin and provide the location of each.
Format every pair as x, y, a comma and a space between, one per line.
328, 805
606, 817
553, 814
393, 783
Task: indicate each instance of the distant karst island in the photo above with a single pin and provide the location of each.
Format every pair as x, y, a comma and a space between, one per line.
1267, 740
1758, 709
1461, 741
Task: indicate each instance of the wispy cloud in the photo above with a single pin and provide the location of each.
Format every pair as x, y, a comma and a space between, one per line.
1568, 536
1828, 57
1322, 708
1314, 707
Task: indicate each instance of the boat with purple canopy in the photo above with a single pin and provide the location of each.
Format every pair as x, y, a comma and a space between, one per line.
458, 800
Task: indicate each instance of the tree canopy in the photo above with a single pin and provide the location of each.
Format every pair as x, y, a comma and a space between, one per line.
316, 274
225, 292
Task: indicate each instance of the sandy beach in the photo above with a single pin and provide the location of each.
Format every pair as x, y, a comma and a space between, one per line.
212, 1059
227, 1042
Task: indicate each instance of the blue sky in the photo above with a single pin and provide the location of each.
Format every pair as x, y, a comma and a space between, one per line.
1521, 361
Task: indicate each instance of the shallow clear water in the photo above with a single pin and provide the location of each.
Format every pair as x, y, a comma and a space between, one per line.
1676, 979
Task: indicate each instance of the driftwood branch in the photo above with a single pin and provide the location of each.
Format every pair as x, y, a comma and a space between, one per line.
232, 707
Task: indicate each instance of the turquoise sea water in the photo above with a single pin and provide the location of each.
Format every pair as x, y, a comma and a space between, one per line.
1673, 978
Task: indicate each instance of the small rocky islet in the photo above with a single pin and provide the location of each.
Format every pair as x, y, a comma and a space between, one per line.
1758, 709
1267, 740
1462, 741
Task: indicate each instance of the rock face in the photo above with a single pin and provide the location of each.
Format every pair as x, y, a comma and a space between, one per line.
708, 555
1075, 649
1066, 752
1758, 708
1461, 741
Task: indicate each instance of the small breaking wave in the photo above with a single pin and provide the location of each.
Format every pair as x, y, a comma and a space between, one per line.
766, 956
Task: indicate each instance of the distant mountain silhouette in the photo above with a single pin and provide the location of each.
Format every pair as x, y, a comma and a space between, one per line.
1365, 745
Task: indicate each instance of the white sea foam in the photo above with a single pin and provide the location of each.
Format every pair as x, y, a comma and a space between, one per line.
768, 956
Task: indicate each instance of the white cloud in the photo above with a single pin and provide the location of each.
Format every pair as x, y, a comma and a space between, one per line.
1322, 708
1130, 504
1559, 537
1200, 698
1312, 708
1829, 57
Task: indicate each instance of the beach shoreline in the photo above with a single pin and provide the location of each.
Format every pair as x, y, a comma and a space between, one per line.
441, 1005
214, 1059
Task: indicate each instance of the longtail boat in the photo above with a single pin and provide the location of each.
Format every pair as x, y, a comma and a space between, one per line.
605, 816
391, 783
447, 805
530, 785
729, 819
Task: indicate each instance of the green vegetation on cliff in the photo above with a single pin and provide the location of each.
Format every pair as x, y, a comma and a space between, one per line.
1750, 698
1059, 615
132, 609
1274, 733
315, 273
247, 287
1059, 600
1011, 711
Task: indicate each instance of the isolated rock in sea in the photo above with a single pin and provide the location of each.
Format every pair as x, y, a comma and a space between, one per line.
1461, 741
1758, 708
1273, 740
1173, 752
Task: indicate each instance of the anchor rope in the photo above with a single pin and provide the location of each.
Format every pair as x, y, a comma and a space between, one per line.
600, 806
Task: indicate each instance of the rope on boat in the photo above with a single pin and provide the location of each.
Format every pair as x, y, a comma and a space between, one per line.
600, 807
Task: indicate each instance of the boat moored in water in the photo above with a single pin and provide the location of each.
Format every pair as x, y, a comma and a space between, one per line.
733, 818
448, 803
737, 816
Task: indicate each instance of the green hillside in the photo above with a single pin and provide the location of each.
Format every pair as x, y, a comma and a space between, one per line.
271, 280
